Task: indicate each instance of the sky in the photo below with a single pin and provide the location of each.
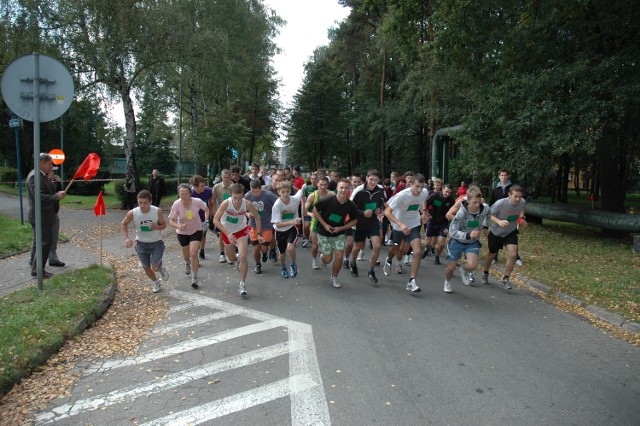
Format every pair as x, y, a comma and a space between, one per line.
308, 22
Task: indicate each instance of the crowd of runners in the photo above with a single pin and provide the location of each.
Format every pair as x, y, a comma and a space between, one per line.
264, 216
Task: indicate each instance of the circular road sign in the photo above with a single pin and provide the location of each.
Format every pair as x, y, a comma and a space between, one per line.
57, 155
56, 87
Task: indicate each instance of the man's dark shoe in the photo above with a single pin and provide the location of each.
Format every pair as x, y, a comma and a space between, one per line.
56, 263
425, 252
354, 269
45, 274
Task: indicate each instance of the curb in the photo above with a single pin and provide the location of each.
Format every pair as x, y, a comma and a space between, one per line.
107, 299
84, 323
534, 287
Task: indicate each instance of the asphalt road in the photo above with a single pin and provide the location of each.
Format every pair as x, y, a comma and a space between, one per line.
298, 351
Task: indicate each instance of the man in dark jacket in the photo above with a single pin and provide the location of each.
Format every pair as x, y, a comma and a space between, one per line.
157, 188
49, 198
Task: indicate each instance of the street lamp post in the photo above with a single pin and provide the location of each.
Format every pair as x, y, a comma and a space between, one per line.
16, 123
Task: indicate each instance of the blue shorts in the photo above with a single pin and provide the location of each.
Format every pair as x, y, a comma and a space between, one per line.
398, 236
150, 254
455, 249
360, 235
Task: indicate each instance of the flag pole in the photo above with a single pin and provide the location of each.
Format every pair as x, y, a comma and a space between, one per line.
100, 240
68, 186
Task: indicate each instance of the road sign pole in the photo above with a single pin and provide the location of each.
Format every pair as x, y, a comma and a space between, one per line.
62, 149
36, 167
57, 97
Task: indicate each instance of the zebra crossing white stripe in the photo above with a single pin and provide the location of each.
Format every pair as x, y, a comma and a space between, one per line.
221, 306
188, 346
237, 402
130, 393
309, 405
181, 307
191, 322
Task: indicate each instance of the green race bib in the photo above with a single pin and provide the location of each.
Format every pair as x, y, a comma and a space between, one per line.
232, 219
473, 224
335, 218
513, 218
413, 207
225, 196
260, 213
437, 203
145, 228
287, 215
370, 206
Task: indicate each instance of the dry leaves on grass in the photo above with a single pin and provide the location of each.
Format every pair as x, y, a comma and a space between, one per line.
120, 331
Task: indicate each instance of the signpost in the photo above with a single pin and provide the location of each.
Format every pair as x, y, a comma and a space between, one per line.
16, 123
37, 88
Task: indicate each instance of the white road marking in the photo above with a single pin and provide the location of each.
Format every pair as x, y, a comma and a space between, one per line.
200, 300
189, 345
181, 307
132, 392
191, 322
303, 386
308, 406
235, 403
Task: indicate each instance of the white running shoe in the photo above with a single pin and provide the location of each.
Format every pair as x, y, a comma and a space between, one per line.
405, 259
361, 256
242, 289
335, 283
314, 264
519, 262
464, 275
222, 258
156, 286
447, 287
386, 268
412, 286
485, 279
187, 268
164, 273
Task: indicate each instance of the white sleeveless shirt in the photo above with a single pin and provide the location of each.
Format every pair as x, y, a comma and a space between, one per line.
235, 220
142, 221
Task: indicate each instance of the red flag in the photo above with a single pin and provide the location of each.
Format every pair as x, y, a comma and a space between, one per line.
99, 208
89, 167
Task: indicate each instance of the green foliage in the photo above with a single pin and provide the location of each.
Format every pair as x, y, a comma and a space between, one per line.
9, 176
541, 88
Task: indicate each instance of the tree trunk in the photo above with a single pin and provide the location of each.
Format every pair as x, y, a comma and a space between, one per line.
611, 171
383, 82
130, 133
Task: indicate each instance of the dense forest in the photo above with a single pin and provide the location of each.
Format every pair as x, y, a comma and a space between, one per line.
549, 90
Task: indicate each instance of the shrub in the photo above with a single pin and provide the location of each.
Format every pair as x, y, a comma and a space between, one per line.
9, 176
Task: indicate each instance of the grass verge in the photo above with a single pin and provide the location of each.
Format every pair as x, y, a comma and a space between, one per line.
34, 324
583, 262
111, 200
15, 237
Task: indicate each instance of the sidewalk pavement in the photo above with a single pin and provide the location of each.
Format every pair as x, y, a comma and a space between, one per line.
82, 228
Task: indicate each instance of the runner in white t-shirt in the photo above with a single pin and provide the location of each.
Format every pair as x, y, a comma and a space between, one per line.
406, 211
